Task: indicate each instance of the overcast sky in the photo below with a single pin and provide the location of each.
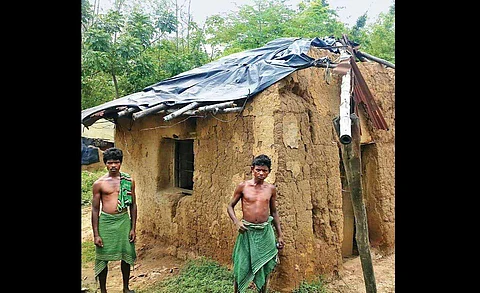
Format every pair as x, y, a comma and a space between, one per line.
349, 10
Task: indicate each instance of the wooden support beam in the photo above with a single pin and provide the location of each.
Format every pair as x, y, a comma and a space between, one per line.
147, 111
352, 163
376, 59
230, 110
214, 111
215, 107
181, 111
127, 111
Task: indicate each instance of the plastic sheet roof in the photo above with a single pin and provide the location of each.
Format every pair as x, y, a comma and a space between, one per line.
231, 78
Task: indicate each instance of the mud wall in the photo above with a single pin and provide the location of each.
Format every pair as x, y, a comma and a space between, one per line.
291, 121
378, 160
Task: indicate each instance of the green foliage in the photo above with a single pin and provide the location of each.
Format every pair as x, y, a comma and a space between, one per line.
88, 252
199, 275
377, 39
206, 275
88, 178
311, 287
316, 19
166, 21
251, 26
139, 43
381, 41
87, 13
96, 89
254, 25
120, 50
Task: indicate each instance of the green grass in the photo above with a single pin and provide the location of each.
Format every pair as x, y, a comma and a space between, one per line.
207, 276
199, 275
311, 287
88, 178
88, 252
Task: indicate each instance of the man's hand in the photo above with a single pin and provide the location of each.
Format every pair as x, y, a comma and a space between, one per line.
241, 227
281, 243
97, 240
132, 236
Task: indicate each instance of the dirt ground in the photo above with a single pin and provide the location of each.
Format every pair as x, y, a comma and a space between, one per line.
153, 265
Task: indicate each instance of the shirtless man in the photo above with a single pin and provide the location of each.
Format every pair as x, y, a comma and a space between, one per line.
113, 228
255, 244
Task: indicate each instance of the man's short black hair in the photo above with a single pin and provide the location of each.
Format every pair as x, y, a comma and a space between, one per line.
112, 154
262, 160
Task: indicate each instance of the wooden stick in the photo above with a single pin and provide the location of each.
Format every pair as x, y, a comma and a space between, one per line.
145, 112
181, 111
352, 163
379, 60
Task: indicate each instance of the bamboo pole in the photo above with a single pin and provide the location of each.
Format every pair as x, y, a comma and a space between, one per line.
127, 111
379, 60
181, 111
147, 111
352, 163
214, 111
215, 107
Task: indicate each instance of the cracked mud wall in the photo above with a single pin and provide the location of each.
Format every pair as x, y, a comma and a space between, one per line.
378, 160
291, 121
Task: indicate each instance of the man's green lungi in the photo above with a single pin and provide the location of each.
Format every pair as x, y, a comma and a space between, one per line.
254, 254
114, 230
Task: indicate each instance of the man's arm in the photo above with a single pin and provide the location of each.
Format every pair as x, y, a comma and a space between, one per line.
237, 194
276, 217
96, 190
133, 214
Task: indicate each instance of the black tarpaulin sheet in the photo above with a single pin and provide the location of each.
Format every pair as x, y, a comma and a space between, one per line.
89, 154
230, 78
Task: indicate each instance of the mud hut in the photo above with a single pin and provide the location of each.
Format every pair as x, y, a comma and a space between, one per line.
187, 159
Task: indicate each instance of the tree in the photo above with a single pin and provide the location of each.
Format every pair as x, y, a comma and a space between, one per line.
254, 25
138, 43
377, 39
382, 36
316, 19
119, 51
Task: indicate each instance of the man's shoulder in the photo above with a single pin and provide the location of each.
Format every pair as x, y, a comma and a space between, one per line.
100, 179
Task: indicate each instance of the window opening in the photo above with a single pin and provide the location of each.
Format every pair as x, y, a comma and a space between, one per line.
184, 164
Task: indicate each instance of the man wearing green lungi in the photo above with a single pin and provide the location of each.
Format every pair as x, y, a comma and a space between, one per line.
113, 227
255, 253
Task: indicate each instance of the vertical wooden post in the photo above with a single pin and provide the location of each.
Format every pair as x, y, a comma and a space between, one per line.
352, 163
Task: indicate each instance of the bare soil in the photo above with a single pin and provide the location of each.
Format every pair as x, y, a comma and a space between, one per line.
154, 264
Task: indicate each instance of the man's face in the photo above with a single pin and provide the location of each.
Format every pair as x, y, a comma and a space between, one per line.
113, 165
260, 172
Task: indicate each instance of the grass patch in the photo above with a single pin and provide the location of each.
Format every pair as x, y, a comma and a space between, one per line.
199, 275
311, 287
88, 252
203, 275
88, 178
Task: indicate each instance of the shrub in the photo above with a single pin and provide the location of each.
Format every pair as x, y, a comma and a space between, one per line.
88, 252
311, 287
88, 178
